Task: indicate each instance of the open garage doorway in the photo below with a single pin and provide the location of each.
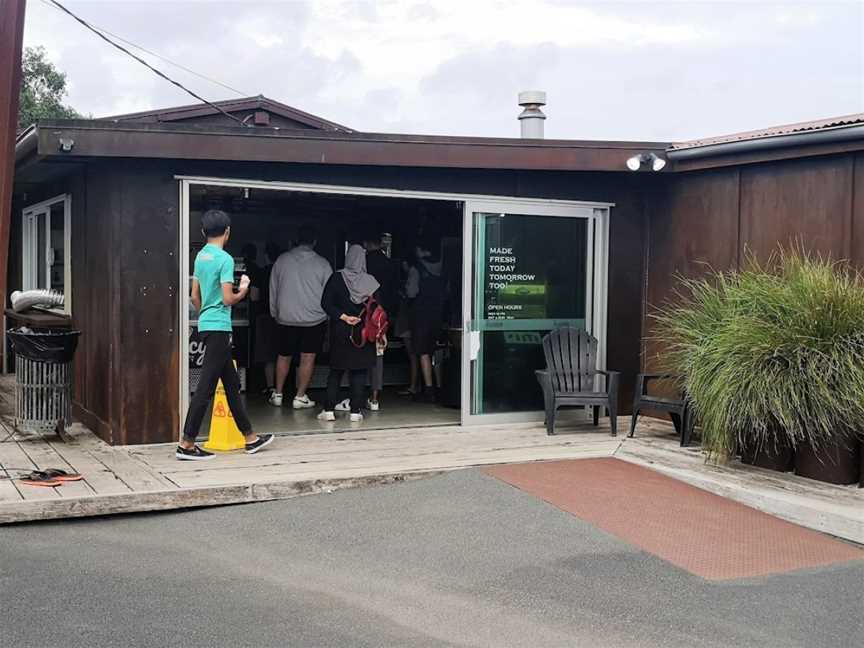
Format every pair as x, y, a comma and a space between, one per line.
267, 222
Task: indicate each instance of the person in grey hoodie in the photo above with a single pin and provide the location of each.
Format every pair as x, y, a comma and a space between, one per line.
296, 285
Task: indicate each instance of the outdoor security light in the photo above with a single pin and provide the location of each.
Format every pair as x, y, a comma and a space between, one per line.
637, 161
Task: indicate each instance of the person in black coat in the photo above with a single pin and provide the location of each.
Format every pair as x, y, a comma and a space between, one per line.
344, 297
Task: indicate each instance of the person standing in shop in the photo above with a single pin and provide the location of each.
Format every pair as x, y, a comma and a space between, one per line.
428, 289
296, 286
344, 300
265, 325
213, 296
385, 272
405, 322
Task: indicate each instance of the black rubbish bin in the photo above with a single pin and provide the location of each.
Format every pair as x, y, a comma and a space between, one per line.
43, 378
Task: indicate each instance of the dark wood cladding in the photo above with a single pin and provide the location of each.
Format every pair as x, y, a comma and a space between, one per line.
803, 200
125, 270
146, 276
627, 239
716, 217
124, 286
692, 228
856, 199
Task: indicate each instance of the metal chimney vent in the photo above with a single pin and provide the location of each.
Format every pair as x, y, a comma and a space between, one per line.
531, 119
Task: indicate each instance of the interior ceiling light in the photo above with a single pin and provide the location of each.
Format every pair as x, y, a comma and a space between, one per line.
637, 161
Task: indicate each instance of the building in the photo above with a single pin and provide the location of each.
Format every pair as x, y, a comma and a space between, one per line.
534, 233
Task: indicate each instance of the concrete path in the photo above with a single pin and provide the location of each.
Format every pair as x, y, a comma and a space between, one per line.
461, 559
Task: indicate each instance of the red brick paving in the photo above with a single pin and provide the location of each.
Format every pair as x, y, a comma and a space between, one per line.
708, 535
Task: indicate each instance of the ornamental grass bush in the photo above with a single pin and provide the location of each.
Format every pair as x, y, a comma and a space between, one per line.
772, 354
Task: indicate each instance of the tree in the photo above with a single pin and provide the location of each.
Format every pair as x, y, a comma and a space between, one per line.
43, 88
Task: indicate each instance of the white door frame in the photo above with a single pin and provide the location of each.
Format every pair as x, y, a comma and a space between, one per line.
506, 204
597, 255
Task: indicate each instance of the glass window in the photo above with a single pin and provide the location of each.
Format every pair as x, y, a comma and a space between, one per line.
45, 252
531, 276
57, 250
41, 250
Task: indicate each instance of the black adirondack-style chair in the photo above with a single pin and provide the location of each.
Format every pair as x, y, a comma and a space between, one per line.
568, 380
677, 407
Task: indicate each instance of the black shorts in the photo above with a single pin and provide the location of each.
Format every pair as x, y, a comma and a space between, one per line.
424, 335
292, 340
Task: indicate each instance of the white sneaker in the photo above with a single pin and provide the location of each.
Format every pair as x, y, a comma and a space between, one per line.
303, 403
326, 416
356, 418
373, 406
344, 406
275, 399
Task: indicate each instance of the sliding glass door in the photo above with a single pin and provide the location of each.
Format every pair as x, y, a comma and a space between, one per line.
535, 267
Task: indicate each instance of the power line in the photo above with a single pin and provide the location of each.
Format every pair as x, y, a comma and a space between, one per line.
47, 3
145, 63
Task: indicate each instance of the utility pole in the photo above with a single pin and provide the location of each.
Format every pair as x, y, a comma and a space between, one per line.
11, 41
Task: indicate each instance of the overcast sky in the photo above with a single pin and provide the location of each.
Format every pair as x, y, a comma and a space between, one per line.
628, 70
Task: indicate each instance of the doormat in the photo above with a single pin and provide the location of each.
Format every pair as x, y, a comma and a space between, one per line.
705, 534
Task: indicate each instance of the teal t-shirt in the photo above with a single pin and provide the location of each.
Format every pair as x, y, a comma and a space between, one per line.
213, 267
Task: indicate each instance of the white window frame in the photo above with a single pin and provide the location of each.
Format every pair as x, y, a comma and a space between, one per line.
29, 256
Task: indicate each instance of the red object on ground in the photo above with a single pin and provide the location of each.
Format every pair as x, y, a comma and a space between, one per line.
705, 534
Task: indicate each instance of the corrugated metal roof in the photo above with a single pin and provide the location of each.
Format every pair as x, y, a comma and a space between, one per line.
774, 131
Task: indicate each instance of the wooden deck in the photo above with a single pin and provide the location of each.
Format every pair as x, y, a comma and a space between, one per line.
148, 478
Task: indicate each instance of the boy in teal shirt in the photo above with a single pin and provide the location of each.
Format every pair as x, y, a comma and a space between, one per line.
213, 296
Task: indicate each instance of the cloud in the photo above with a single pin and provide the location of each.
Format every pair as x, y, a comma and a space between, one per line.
635, 70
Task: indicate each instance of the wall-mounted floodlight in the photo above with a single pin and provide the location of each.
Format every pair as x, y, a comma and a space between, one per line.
638, 161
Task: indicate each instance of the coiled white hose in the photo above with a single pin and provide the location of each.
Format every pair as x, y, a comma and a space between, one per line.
22, 300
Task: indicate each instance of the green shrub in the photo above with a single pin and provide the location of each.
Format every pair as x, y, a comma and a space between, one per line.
771, 353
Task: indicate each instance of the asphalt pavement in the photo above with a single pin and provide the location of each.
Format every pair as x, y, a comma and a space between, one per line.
460, 559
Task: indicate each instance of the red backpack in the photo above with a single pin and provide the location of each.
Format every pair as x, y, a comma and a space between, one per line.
373, 323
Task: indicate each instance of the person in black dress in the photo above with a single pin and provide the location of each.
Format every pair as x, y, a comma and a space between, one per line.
343, 300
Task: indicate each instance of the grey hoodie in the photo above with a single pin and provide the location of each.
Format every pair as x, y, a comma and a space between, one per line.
296, 285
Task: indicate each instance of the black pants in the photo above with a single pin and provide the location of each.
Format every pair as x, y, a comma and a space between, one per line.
217, 364
357, 381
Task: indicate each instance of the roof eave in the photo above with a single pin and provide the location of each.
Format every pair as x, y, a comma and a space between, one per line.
792, 146
103, 139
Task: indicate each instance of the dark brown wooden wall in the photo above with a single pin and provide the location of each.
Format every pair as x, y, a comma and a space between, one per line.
125, 272
137, 211
124, 283
715, 218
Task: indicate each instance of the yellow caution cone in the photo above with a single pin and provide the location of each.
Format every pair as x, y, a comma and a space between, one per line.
224, 433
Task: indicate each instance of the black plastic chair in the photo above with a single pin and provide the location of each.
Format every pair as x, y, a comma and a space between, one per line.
568, 380
679, 409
